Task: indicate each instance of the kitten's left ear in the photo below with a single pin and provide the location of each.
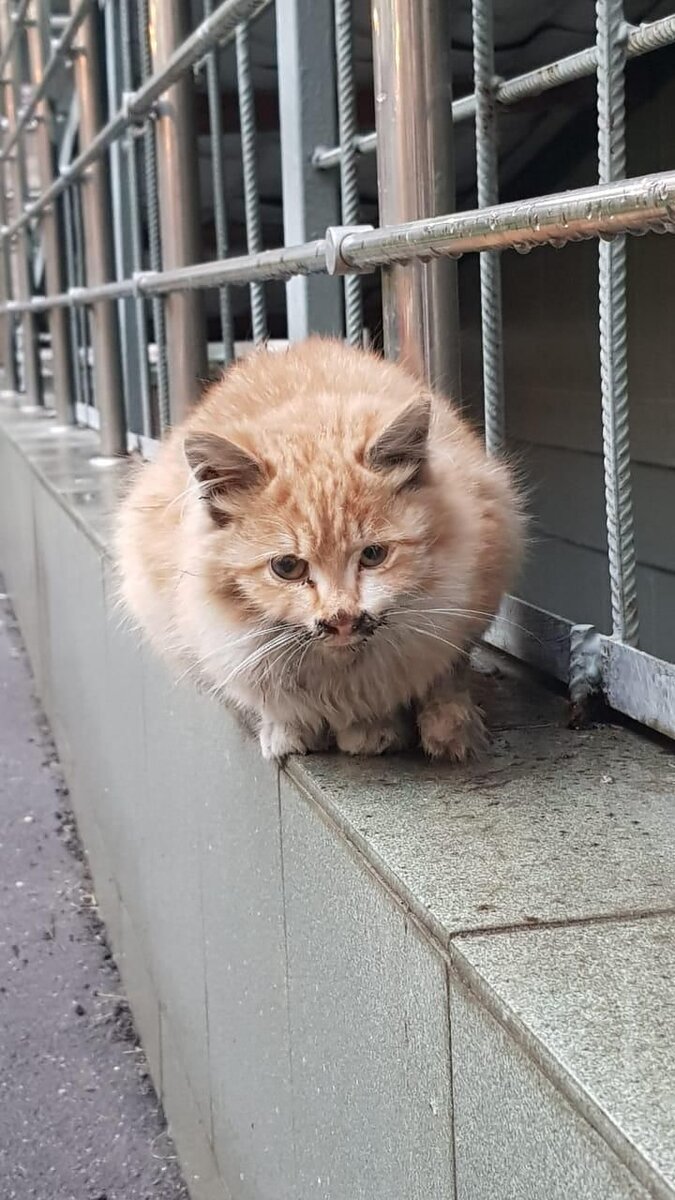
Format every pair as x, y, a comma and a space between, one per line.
403, 444
221, 468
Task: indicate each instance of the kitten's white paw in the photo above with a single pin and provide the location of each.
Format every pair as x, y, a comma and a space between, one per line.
390, 734
278, 739
452, 729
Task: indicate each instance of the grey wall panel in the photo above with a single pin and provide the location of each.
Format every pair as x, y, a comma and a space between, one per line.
17, 548
71, 592
141, 993
166, 900
369, 1032
245, 961
515, 1137
186, 1123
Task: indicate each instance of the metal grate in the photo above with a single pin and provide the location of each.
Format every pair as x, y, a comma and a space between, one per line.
117, 225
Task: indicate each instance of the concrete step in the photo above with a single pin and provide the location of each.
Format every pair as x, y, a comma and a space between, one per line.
360, 978
546, 875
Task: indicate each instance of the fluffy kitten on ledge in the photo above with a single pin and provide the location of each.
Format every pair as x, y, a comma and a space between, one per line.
322, 541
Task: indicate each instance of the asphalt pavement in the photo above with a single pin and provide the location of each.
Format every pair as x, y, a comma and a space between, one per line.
79, 1118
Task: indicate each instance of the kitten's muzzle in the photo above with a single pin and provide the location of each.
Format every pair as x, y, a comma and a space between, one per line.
345, 628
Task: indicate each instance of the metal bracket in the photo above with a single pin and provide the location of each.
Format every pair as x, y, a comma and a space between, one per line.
136, 121
336, 263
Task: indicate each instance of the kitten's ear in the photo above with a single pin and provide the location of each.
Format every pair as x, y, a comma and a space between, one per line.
403, 444
220, 467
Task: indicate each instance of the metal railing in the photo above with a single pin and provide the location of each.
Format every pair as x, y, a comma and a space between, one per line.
118, 224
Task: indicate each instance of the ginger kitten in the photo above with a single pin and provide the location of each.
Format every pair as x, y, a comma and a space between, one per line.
322, 541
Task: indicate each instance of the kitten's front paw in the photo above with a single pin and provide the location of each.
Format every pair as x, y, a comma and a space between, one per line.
379, 737
452, 729
278, 739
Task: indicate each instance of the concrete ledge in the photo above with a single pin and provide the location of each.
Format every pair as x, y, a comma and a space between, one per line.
358, 978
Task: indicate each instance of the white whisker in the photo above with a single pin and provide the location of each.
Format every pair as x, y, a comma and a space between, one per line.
428, 633
465, 613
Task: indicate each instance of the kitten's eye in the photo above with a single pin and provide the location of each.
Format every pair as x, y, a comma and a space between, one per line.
289, 567
373, 556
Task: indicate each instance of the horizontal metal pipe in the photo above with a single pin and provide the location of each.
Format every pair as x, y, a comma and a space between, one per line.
216, 29
284, 263
630, 206
637, 206
364, 143
640, 39
17, 21
60, 50
281, 264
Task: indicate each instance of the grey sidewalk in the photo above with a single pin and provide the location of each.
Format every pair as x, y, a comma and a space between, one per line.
79, 1119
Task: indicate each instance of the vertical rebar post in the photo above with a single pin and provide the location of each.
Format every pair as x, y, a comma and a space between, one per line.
127, 215
611, 32
97, 220
22, 250
178, 181
307, 119
349, 184
78, 315
487, 176
250, 175
10, 379
71, 281
218, 174
415, 173
7, 348
153, 223
51, 226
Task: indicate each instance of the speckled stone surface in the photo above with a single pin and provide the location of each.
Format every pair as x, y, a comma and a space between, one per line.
555, 825
600, 1002
516, 1136
63, 459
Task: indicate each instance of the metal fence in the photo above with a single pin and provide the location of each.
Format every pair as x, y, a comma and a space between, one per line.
100, 232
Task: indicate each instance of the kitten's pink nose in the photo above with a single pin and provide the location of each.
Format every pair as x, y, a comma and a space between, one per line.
342, 624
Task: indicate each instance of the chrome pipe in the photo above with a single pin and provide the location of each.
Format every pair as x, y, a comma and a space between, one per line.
415, 169
53, 241
178, 182
628, 206
22, 254
97, 218
637, 206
